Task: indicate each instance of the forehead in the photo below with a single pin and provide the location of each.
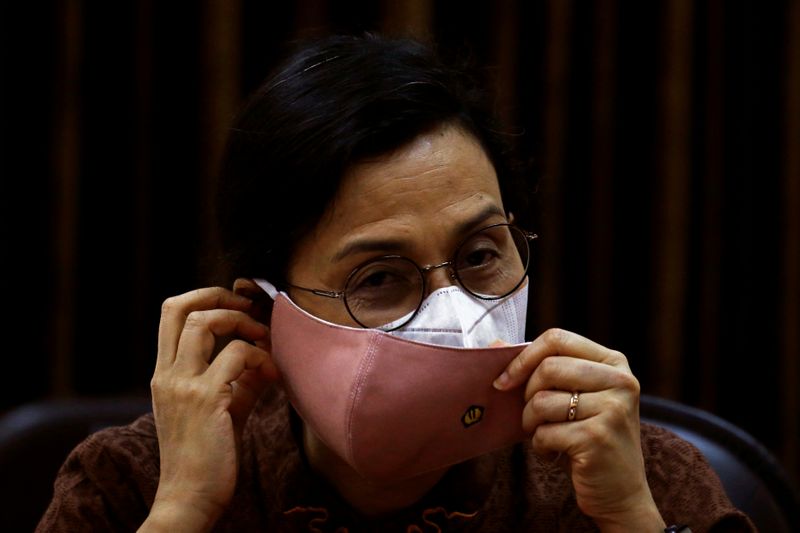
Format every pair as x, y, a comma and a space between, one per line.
441, 174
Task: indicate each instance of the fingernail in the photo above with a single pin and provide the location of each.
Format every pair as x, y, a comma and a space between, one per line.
502, 382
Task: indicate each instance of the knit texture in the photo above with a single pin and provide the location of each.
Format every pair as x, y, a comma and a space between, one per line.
109, 481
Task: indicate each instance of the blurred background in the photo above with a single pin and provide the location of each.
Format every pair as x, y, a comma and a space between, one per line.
665, 138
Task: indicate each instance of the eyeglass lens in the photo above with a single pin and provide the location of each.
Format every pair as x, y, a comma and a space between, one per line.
489, 264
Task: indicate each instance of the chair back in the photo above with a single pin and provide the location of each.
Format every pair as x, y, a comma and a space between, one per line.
36, 438
754, 480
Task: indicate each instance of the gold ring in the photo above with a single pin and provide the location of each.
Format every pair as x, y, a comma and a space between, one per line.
573, 406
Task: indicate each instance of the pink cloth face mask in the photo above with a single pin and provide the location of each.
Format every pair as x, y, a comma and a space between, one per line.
393, 408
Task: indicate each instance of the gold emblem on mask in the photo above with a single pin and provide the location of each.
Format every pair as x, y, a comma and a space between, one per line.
473, 415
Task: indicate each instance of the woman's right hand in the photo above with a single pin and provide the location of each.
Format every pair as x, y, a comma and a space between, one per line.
201, 403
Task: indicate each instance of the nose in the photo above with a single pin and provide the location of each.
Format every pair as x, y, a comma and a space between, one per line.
438, 276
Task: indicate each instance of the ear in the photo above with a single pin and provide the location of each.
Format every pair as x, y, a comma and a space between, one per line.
262, 303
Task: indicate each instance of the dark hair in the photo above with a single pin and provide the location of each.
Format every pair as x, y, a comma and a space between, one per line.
330, 104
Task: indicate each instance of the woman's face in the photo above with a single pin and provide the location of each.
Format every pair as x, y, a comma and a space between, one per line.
419, 201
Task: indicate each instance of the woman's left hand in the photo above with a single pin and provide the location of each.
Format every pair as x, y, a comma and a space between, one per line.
602, 442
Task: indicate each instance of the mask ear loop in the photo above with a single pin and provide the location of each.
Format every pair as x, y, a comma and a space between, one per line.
267, 287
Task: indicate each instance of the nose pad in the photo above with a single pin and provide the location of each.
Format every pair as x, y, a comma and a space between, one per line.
440, 278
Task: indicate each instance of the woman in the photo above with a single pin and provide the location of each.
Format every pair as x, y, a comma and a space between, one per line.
365, 191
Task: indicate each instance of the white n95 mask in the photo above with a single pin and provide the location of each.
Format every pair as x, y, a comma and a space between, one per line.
452, 317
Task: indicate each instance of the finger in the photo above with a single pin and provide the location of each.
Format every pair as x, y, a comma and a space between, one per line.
247, 389
201, 330
175, 310
237, 357
572, 373
550, 406
571, 438
555, 342
609, 430
560, 437
497, 343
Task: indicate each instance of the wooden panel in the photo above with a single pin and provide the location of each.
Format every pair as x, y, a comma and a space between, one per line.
671, 209
555, 105
601, 217
143, 171
505, 59
66, 153
221, 87
311, 17
791, 249
407, 17
711, 253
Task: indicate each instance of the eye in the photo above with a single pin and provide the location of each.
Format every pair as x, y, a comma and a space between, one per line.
476, 258
478, 253
377, 280
490, 263
383, 276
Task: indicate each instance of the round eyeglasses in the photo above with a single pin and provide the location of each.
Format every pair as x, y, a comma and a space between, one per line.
386, 292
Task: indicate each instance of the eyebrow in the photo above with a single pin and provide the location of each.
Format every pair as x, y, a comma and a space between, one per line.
396, 245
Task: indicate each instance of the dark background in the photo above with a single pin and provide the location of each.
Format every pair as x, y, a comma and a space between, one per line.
666, 137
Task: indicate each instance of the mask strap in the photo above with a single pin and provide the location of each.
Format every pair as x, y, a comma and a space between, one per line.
267, 287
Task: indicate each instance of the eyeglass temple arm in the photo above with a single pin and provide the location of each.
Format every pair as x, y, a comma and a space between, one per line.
318, 292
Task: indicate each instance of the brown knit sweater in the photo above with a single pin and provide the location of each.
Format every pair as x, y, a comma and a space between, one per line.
109, 481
